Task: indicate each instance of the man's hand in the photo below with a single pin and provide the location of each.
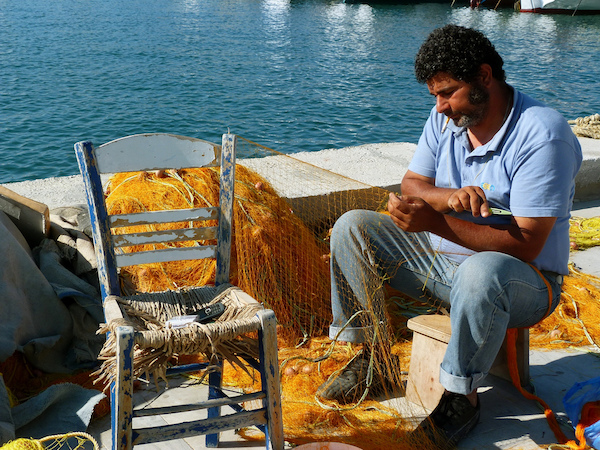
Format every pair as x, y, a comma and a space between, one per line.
470, 198
445, 200
524, 238
411, 213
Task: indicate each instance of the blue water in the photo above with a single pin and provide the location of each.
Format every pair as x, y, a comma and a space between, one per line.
294, 75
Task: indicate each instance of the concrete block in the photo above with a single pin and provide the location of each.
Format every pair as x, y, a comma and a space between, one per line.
587, 182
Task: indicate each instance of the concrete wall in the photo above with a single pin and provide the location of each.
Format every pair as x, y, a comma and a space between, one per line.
322, 175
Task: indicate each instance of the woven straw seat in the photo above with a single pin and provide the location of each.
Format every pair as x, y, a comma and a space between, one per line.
156, 342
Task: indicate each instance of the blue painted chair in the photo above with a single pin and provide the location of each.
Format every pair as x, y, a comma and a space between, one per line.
129, 344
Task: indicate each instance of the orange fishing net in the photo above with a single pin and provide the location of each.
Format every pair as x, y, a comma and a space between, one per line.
276, 258
575, 320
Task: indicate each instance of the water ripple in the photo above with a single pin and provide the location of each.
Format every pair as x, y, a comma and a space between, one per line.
295, 75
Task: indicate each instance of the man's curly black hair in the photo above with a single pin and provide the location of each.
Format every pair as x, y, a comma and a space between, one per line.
458, 51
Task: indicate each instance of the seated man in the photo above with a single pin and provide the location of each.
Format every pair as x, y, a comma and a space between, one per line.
482, 225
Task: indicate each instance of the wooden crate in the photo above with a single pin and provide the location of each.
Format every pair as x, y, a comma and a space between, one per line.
431, 334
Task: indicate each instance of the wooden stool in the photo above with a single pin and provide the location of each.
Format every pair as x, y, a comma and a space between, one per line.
431, 334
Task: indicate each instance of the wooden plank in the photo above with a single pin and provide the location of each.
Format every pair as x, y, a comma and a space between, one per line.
167, 216
423, 386
199, 427
165, 255
155, 151
31, 218
436, 326
165, 236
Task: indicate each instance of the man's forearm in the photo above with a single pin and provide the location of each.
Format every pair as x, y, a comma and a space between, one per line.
435, 196
510, 239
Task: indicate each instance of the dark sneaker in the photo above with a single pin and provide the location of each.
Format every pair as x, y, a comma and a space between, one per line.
350, 384
452, 419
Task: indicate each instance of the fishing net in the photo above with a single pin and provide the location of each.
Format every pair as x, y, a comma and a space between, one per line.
284, 210
585, 232
68, 441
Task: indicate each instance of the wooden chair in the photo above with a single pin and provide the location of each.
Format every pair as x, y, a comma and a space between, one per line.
129, 341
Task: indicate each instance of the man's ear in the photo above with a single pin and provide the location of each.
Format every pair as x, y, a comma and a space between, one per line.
485, 74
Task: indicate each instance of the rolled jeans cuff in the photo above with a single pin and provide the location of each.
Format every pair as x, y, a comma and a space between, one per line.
460, 385
356, 335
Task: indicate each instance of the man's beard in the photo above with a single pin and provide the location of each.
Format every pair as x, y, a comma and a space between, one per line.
478, 97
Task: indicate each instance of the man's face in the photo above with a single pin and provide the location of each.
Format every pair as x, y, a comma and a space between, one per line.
465, 103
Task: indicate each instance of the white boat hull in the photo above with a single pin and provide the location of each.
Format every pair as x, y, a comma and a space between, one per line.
561, 6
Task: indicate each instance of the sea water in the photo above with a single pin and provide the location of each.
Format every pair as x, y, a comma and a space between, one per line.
293, 75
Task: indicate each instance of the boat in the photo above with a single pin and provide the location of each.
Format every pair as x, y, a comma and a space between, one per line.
559, 6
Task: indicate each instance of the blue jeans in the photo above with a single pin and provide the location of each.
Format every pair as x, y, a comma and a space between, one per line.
487, 294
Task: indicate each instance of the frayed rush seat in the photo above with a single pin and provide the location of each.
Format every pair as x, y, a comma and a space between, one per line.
140, 339
155, 343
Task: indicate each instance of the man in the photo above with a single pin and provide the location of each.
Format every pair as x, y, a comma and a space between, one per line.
482, 225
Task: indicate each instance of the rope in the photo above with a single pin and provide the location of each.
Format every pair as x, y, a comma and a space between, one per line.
511, 353
587, 126
80, 435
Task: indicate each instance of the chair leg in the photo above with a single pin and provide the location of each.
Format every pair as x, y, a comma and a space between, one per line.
269, 372
122, 391
215, 380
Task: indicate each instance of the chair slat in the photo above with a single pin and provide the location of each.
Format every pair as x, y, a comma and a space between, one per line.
166, 255
165, 236
173, 215
226, 401
204, 426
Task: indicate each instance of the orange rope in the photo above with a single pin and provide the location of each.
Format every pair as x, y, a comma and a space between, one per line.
511, 351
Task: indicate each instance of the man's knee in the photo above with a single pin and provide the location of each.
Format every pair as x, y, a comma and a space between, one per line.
482, 267
353, 223
481, 278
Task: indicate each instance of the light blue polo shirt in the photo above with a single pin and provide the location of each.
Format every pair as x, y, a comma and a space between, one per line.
528, 168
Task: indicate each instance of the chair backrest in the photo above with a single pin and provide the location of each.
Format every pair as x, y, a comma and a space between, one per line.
150, 152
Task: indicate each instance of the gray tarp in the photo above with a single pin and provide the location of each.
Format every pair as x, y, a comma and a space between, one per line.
50, 313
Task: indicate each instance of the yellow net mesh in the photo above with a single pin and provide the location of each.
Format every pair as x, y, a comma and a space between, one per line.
585, 232
68, 441
280, 256
574, 323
